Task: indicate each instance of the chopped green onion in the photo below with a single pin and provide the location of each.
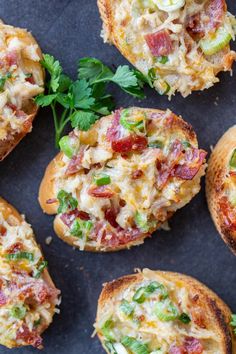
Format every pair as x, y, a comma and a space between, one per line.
214, 43
3, 80
162, 87
142, 293
110, 347
233, 323
184, 318
18, 312
20, 255
81, 228
232, 162
126, 308
66, 146
141, 221
186, 144
107, 330
102, 179
166, 311
163, 59
135, 346
156, 144
152, 74
66, 202
42, 265
127, 122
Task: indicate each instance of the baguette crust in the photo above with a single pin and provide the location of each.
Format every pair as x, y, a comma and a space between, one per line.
29, 107
122, 29
216, 174
218, 314
8, 211
49, 186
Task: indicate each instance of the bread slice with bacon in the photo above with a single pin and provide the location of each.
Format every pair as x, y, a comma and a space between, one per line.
180, 45
28, 296
113, 186
22, 78
221, 187
162, 312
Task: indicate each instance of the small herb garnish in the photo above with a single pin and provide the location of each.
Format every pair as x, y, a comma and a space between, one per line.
184, 318
85, 100
18, 312
20, 255
3, 80
66, 202
42, 265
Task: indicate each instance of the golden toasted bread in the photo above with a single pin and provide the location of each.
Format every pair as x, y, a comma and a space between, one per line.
120, 181
180, 46
220, 187
22, 78
28, 294
164, 311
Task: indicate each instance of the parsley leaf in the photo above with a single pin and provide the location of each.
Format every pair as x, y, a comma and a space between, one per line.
83, 101
83, 120
45, 100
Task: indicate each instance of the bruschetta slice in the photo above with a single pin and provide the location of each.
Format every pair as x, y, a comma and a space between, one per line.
181, 45
114, 185
28, 297
21, 79
155, 312
221, 187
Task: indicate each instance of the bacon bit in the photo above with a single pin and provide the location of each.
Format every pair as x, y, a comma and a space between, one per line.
186, 172
117, 238
208, 20
75, 163
12, 58
101, 192
137, 174
193, 345
51, 201
12, 106
178, 350
129, 143
16, 247
3, 299
198, 317
141, 318
68, 218
228, 212
113, 133
30, 80
110, 216
3, 230
159, 43
29, 337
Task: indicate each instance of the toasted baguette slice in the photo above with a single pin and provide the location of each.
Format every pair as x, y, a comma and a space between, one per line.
150, 172
165, 311
220, 188
173, 45
23, 79
28, 295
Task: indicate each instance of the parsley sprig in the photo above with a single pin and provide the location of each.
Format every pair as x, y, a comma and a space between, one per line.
83, 101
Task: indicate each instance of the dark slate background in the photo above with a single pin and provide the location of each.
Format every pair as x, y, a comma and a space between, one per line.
69, 30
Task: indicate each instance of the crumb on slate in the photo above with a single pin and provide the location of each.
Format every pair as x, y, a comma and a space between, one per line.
48, 240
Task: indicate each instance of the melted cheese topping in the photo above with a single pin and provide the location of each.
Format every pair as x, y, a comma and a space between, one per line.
27, 301
144, 194
186, 68
125, 315
21, 79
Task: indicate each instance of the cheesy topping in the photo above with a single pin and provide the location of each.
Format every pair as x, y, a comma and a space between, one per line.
27, 300
180, 45
126, 176
155, 315
21, 78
